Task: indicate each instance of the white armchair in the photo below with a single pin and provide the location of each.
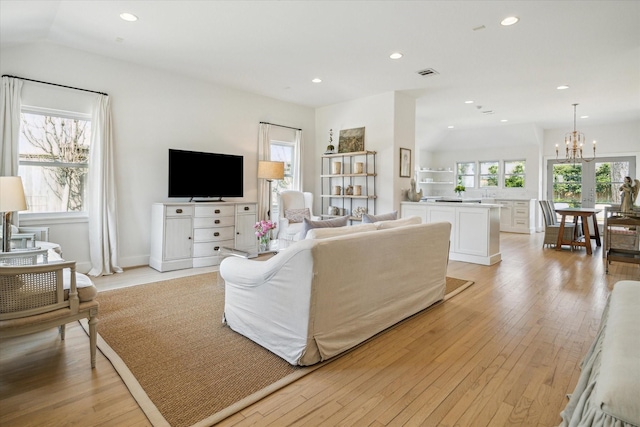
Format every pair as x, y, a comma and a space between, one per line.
289, 200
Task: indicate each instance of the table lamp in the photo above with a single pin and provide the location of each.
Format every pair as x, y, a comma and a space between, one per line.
270, 170
11, 199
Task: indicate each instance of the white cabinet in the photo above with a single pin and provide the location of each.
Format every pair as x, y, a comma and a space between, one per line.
517, 215
475, 228
246, 218
171, 236
190, 234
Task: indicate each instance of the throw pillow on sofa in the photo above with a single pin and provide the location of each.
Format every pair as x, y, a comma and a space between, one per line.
296, 215
383, 225
334, 222
326, 233
370, 219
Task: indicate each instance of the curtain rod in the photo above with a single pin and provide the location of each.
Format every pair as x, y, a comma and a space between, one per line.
273, 124
55, 84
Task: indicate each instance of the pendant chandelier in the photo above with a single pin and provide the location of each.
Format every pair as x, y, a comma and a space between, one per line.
574, 141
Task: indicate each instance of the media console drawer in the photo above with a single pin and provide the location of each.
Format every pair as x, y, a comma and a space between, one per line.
204, 222
214, 210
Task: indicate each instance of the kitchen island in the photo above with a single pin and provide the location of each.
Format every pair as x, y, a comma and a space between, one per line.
475, 232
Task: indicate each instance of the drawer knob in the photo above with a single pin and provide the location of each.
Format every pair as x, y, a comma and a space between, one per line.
246, 208
216, 234
216, 248
217, 211
178, 210
217, 221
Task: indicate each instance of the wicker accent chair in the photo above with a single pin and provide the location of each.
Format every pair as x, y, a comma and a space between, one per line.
552, 226
33, 298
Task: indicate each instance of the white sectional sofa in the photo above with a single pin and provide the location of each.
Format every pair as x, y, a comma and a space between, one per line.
608, 390
338, 287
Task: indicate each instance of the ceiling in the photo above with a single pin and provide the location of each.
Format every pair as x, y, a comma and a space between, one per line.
275, 48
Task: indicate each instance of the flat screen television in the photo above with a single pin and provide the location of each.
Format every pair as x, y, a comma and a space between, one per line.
205, 175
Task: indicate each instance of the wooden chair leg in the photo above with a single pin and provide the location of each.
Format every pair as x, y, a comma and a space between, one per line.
62, 330
93, 338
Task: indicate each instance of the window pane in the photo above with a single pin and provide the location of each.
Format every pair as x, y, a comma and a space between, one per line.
567, 185
53, 156
514, 174
466, 174
489, 174
609, 179
282, 152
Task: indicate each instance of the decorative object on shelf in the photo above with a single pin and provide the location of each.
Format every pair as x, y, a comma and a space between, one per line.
629, 194
330, 147
336, 168
337, 190
351, 140
263, 232
412, 194
358, 167
348, 191
333, 210
574, 141
270, 170
11, 199
405, 163
359, 211
357, 190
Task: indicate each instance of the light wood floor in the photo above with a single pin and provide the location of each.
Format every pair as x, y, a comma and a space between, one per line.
505, 352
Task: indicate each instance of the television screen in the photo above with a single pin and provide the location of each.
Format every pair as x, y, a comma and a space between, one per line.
198, 174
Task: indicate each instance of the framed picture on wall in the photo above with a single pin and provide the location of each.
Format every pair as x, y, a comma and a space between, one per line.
405, 163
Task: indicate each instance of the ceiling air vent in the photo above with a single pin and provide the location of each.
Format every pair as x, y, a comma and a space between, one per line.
428, 72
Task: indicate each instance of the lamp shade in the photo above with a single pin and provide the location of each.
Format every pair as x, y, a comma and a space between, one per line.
12, 194
270, 170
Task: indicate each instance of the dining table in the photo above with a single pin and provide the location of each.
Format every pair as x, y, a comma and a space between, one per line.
579, 215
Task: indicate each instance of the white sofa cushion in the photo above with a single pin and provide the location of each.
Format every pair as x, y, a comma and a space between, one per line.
326, 233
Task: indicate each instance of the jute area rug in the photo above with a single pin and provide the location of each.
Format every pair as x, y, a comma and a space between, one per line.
183, 367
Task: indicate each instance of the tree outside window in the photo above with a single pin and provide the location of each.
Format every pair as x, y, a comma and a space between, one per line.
489, 174
514, 172
53, 160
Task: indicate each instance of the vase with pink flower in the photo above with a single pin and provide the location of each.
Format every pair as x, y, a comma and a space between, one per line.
263, 232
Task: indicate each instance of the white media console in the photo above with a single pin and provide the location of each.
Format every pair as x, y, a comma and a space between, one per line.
186, 235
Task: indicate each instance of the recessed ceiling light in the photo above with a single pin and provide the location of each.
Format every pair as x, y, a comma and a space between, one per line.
395, 55
317, 80
449, 127
562, 87
509, 21
468, 102
584, 117
128, 16
504, 120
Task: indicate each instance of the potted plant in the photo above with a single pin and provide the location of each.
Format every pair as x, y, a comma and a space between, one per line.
263, 232
459, 189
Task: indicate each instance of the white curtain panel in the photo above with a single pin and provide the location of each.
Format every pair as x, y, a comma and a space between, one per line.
297, 178
264, 153
101, 203
9, 125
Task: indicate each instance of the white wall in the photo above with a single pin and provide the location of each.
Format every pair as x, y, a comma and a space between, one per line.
153, 111
389, 122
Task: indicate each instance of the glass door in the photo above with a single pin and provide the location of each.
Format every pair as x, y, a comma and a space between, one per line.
593, 184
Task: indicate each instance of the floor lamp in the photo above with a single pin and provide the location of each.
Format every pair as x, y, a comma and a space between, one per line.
11, 199
270, 170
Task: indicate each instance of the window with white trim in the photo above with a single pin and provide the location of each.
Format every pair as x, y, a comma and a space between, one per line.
53, 159
466, 174
514, 173
489, 174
